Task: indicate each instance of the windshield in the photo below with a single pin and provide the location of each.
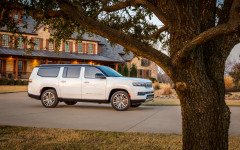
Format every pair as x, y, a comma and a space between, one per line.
109, 71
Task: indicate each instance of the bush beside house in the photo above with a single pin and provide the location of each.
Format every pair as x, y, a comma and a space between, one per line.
5, 81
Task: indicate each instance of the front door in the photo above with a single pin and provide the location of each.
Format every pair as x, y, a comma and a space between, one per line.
93, 88
70, 83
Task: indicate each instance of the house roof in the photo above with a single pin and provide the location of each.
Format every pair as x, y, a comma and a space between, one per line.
116, 49
52, 54
31, 23
109, 52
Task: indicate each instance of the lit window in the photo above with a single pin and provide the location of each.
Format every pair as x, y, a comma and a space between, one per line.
90, 48
80, 47
20, 41
51, 45
16, 17
5, 41
67, 46
36, 43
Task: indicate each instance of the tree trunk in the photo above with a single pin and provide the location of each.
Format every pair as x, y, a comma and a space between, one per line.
205, 116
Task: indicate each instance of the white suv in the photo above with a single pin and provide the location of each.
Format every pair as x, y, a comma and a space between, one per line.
70, 84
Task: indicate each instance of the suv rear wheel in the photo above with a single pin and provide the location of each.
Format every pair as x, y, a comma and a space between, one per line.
120, 100
70, 102
49, 98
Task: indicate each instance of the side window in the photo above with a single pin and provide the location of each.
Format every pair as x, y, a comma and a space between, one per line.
48, 72
91, 71
71, 72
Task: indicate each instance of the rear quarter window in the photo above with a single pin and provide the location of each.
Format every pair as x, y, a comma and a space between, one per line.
48, 72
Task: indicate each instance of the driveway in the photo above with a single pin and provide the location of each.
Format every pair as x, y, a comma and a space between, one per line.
20, 110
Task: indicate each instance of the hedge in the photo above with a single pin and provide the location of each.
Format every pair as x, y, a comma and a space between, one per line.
5, 81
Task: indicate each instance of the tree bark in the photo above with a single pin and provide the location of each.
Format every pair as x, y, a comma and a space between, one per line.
205, 116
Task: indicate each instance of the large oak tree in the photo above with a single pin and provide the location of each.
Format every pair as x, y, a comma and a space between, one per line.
201, 35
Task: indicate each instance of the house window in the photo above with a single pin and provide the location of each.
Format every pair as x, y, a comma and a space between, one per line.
80, 47
51, 31
140, 73
20, 41
51, 45
16, 17
5, 41
145, 62
20, 66
67, 46
147, 73
90, 48
36, 43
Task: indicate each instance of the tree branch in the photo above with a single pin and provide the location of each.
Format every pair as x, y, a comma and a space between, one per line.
155, 34
78, 14
136, 3
116, 7
232, 26
154, 9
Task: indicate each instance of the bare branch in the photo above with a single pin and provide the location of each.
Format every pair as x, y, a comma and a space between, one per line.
232, 26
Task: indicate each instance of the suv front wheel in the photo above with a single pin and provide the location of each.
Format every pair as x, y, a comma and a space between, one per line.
49, 98
120, 100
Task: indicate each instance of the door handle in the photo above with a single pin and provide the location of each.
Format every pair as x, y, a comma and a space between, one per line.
63, 81
86, 82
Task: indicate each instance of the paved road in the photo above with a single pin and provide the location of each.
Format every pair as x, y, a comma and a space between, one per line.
18, 109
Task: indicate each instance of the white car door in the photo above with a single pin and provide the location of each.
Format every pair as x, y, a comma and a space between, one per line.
70, 84
93, 88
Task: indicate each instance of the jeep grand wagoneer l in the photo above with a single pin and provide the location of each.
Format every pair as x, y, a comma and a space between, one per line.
87, 83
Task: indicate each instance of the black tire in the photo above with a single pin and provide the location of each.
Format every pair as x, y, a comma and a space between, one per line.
49, 98
70, 102
120, 101
135, 105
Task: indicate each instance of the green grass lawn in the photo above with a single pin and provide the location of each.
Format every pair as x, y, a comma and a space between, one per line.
176, 102
44, 138
13, 88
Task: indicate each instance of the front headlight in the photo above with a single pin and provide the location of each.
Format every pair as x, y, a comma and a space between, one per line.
138, 84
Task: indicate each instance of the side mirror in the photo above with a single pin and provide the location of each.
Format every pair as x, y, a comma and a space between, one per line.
100, 75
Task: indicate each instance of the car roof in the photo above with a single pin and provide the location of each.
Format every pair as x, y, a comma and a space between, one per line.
63, 65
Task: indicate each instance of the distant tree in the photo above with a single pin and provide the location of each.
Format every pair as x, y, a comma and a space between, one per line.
133, 72
235, 74
120, 68
125, 71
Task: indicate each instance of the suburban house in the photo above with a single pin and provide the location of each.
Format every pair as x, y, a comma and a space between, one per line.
18, 63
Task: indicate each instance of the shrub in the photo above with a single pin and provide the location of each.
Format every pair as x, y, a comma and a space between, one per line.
228, 82
18, 82
25, 82
125, 71
156, 87
3, 81
153, 79
11, 82
133, 72
167, 90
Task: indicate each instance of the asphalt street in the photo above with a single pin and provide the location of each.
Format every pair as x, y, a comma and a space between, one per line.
19, 110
